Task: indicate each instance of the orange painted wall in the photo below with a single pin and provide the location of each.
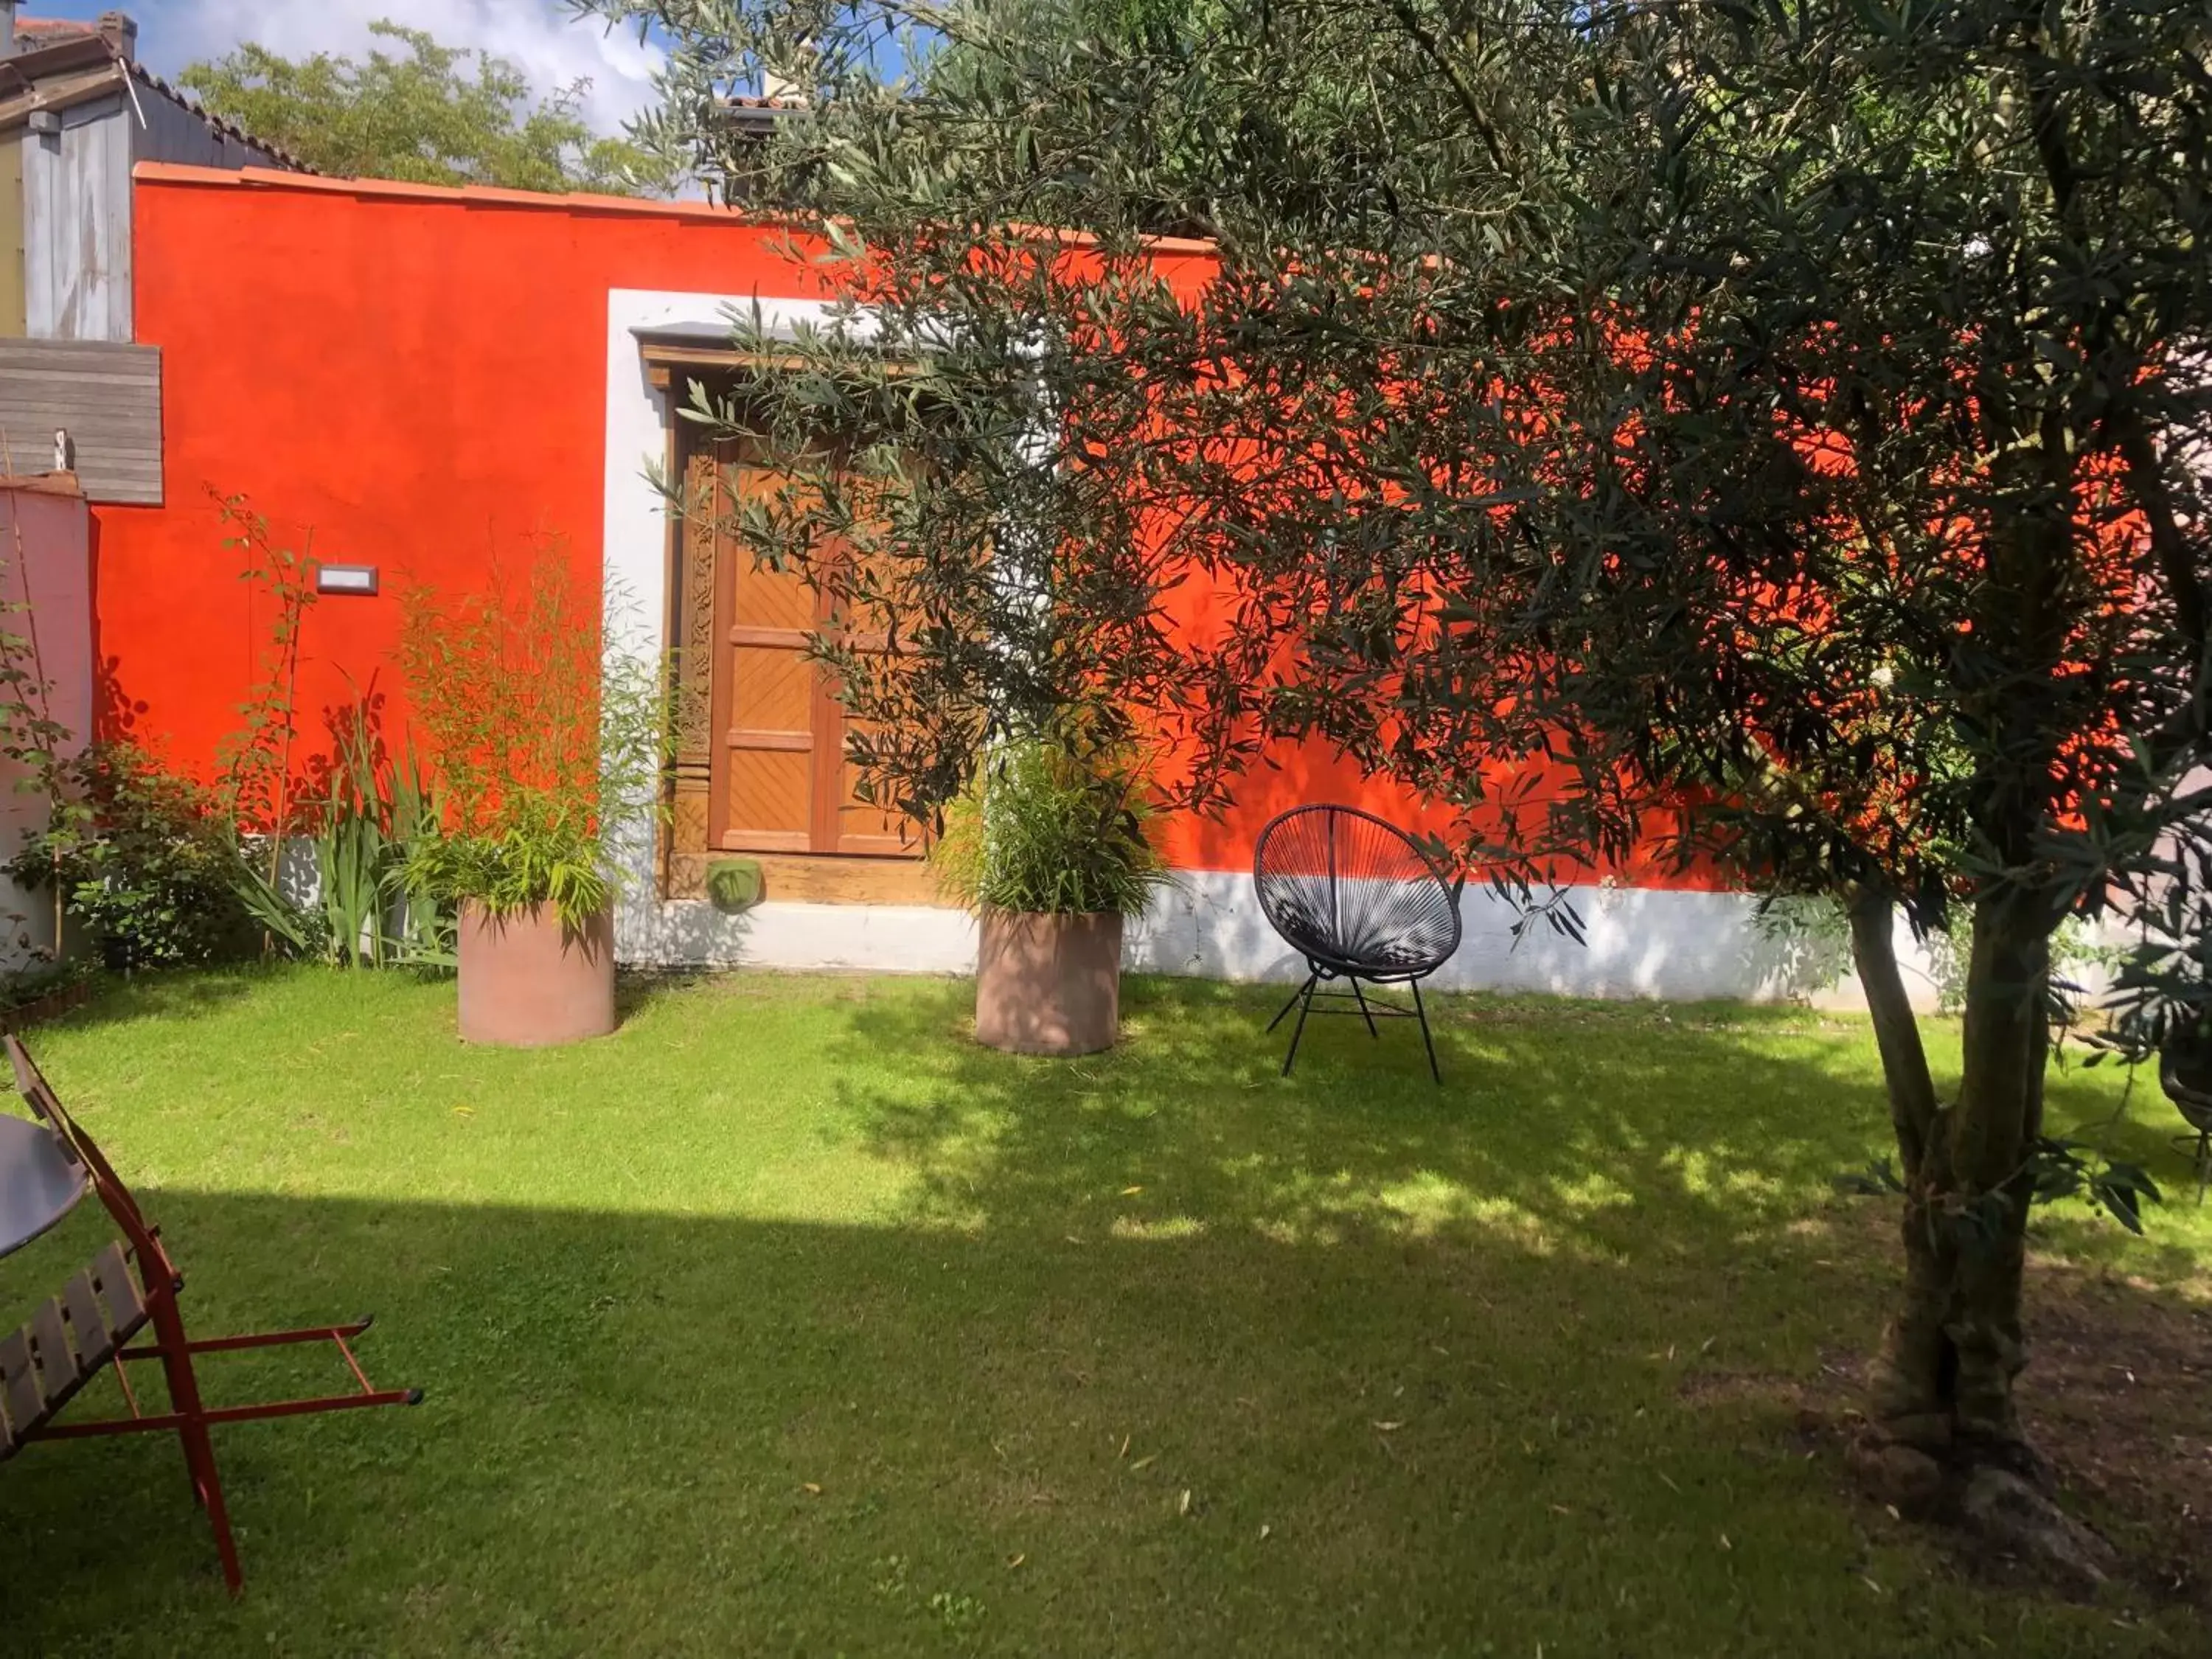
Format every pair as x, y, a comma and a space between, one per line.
418, 379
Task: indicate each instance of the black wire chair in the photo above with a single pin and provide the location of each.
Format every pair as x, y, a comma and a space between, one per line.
2184, 1072
1360, 902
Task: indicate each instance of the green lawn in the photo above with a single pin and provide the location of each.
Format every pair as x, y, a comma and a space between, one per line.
788, 1321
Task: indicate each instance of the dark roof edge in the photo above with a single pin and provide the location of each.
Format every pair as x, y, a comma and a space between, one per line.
230, 130
96, 61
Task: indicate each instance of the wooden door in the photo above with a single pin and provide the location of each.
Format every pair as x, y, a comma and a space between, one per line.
856, 826
779, 780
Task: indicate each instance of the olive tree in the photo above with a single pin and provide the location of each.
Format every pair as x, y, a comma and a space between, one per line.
1759, 428
423, 111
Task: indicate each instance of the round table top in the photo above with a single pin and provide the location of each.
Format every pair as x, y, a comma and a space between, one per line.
39, 1182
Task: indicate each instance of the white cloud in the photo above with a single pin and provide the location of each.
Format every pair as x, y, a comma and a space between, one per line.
542, 36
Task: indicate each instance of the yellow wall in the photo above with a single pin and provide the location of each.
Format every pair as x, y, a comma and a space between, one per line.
11, 234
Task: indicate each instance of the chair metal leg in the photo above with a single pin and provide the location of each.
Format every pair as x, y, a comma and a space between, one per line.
1364, 1014
1427, 1042
1305, 1006
184, 1401
1295, 997
2199, 1142
200, 1449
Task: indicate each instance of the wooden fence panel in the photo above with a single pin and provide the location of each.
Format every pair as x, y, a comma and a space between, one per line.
107, 397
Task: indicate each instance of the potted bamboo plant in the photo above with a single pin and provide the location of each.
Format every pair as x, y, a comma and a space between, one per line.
1048, 848
542, 749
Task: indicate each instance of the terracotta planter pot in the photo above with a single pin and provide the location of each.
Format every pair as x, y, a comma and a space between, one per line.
529, 982
1048, 984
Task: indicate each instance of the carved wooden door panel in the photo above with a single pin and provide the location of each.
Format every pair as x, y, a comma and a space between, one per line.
858, 827
774, 733
769, 698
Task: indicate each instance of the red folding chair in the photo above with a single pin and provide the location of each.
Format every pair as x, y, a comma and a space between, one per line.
131, 1285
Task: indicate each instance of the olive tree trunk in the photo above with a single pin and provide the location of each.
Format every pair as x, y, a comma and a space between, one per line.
1943, 1379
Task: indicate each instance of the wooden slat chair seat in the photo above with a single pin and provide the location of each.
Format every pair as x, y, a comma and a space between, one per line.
68, 1342
131, 1287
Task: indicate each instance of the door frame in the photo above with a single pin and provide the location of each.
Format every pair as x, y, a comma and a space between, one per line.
829, 786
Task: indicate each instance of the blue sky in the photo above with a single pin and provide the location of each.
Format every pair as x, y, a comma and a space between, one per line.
541, 35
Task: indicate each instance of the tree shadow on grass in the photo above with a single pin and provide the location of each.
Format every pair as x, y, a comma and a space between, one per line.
1619, 1130
161, 995
1152, 1353
1629, 1131
1692, 1149
656, 1434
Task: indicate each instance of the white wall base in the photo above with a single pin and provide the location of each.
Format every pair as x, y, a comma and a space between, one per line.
897, 938
1638, 942
1676, 947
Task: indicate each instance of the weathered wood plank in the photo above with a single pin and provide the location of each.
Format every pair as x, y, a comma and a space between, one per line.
61, 393
61, 377
50, 1344
18, 1390
77, 214
57, 350
110, 1277
106, 397
19, 1381
821, 879
95, 1343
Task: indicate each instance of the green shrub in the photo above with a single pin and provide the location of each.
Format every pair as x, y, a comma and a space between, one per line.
540, 744
367, 811
541, 854
1047, 828
1813, 935
145, 862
